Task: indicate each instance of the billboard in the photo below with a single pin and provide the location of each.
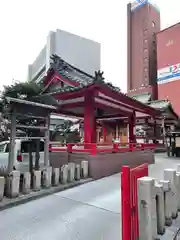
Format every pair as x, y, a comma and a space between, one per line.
168, 74
137, 4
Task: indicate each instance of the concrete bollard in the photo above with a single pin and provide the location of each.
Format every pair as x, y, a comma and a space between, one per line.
47, 177
26, 185
71, 172
178, 168
167, 202
36, 180
84, 169
13, 182
178, 189
77, 172
147, 208
64, 174
170, 175
160, 208
55, 176
2, 185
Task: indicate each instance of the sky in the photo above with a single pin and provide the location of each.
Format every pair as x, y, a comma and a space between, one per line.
25, 25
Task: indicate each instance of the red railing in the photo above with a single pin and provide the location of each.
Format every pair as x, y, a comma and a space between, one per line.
129, 201
94, 148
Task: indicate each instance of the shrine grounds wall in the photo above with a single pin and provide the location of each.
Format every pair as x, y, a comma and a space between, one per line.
103, 164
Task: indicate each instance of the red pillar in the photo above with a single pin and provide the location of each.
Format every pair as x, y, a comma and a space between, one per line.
132, 123
89, 119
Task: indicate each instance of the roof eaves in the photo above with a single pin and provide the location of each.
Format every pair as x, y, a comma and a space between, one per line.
65, 69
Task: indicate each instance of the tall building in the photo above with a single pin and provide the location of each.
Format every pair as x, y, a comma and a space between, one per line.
168, 62
143, 22
80, 52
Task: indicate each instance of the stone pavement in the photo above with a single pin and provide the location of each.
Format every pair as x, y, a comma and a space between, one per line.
90, 211
33, 195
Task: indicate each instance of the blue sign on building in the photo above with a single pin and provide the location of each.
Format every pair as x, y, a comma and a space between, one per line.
137, 4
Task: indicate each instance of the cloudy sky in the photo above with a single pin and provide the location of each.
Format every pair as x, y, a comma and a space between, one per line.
24, 26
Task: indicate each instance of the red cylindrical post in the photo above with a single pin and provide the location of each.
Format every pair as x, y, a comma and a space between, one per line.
126, 203
89, 120
69, 147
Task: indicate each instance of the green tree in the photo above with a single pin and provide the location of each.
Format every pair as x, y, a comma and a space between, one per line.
67, 132
23, 90
26, 91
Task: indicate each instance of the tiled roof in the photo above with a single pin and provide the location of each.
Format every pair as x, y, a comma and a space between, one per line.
164, 106
160, 104
76, 75
85, 80
143, 97
70, 72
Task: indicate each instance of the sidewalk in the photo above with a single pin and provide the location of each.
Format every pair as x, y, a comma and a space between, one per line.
90, 211
11, 202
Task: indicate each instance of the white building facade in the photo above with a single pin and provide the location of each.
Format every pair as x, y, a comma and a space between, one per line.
80, 52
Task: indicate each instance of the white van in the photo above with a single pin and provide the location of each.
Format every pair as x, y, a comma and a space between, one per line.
21, 156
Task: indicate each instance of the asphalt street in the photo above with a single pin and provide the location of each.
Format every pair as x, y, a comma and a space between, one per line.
88, 212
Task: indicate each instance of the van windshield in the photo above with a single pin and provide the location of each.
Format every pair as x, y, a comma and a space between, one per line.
25, 146
2, 147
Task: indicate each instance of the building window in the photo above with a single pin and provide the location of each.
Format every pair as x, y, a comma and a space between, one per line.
145, 23
170, 42
145, 32
145, 52
153, 24
145, 70
145, 40
145, 79
146, 60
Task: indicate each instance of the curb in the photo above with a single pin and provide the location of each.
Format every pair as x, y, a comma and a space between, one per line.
22, 199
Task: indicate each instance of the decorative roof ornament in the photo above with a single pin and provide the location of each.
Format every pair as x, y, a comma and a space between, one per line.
58, 64
99, 77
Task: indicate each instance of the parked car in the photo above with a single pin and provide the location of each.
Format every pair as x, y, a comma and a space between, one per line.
21, 156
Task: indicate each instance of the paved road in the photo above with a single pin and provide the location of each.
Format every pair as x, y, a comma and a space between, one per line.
90, 211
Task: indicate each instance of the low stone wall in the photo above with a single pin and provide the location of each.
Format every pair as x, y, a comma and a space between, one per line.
57, 159
103, 164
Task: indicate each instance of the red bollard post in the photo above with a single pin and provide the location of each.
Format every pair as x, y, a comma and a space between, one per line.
126, 203
115, 147
93, 149
69, 148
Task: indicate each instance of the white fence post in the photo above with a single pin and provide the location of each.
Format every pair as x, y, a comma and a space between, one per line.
84, 169
147, 208
2, 185
26, 185
178, 189
77, 175
55, 176
36, 180
170, 175
13, 182
71, 169
167, 202
64, 174
160, 208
